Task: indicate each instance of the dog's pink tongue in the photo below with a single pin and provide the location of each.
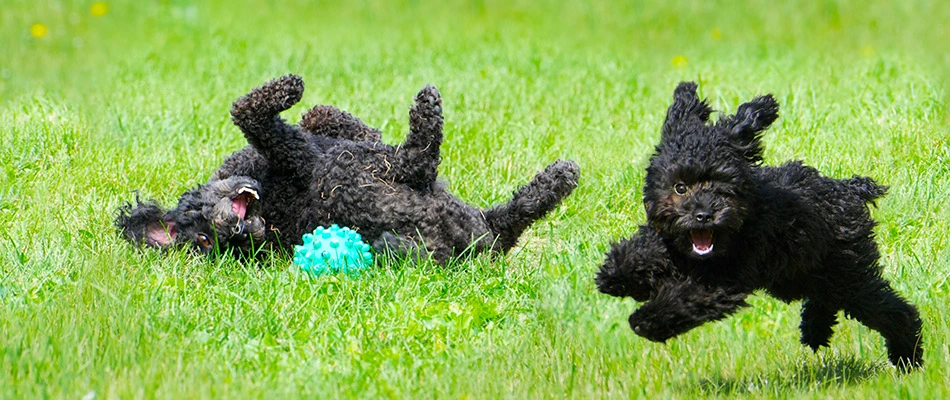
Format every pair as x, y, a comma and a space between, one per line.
239, 206
702, 240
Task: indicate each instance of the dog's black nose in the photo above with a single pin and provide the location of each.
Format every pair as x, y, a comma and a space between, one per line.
703, 217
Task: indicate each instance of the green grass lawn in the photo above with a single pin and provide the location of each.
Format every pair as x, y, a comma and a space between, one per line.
96, 102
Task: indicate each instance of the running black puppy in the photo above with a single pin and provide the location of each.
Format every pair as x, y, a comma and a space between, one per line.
720, 225
332, 169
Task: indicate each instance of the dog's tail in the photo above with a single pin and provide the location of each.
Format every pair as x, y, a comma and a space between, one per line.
866, 188
531, 202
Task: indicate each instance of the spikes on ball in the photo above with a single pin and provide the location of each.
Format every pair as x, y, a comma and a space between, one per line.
332, 250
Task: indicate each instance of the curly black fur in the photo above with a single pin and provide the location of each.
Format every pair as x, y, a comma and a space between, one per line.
720, 225
332, 169
219, 216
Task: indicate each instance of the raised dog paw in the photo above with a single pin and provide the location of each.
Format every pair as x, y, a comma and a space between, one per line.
613, 280
426, 114
671, 312
565, 173
270, 98
283, 92
609, 282
651, 323
429, 98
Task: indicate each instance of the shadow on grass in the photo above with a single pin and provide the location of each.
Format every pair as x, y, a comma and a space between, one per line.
816, 374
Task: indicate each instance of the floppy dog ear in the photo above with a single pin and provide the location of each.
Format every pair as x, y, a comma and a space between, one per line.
750, 120
146, 223
686, 108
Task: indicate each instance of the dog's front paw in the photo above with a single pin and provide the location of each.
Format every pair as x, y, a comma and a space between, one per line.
565, 175
634, 267
426, 114
270, 98
614, 280
652, 322
283, 92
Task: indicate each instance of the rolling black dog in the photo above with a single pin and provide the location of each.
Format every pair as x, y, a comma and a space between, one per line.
333, 169
720, 225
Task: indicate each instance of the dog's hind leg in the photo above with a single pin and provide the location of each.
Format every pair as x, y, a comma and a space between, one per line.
874, 303
817, 322
333, 122
531, 202
853, 282
257, 114
415, 162
635, 267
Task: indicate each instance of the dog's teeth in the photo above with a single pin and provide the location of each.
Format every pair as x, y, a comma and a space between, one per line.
248, 190
702, 252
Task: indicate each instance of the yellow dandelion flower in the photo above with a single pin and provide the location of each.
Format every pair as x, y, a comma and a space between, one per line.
99, 9
38, 30
716, 34
679, 61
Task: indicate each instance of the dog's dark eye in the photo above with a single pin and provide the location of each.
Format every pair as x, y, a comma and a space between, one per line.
204, 241
680, 188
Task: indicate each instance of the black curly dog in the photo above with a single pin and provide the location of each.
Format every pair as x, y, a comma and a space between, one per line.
720, 225
333, 169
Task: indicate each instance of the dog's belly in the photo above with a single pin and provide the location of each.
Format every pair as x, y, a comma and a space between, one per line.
374, 207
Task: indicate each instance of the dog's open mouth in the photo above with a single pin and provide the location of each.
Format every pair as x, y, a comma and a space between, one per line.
245, 197
702, 241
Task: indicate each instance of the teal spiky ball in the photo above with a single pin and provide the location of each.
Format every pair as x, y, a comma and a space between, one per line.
332, 250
